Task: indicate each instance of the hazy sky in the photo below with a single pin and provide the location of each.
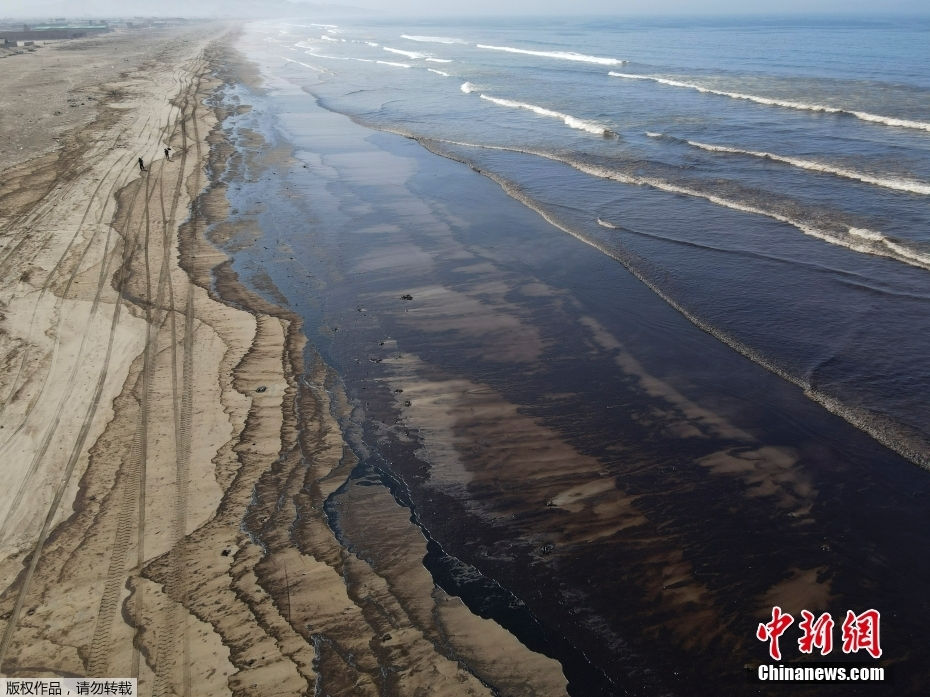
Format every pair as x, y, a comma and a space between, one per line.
33, 8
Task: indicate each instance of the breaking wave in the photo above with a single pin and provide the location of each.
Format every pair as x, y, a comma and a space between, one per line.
896, 183
339, 58
306, 65
567, 119
393, 64
562, 55
788, 104
878, 426
866, 234
467, 87
410, 54
860, 240
432, 39
439, 72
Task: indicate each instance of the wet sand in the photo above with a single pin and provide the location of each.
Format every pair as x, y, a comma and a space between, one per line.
614, 486
170, 440
329, 414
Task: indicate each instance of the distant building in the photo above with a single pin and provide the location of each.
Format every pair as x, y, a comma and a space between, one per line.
87, 28
51, 33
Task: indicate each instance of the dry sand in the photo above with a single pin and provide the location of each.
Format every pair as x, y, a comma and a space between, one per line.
161, 517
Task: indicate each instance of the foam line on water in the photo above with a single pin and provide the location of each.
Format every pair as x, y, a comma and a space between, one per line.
393, 64
567, 119
561, 55
856, 239
888, 182
439, 72
432, 39
788, 104
306, 65
910, 445
409, 54
339, 58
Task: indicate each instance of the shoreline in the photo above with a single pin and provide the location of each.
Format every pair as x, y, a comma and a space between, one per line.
187, 543
138, 477
280, 450
445, 289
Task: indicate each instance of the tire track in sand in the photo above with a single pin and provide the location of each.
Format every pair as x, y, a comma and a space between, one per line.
157, 311
123, 276
168, 640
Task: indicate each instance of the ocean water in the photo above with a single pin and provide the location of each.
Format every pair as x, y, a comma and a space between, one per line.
790, 160
641, 305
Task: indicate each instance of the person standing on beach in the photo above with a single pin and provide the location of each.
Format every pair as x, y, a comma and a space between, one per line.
168, 154
141, 165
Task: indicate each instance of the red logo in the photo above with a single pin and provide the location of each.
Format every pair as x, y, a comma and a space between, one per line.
860, 632
816, 634
771, 631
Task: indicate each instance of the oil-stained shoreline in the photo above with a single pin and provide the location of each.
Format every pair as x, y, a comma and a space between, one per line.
195, 553
312, 452
371, 622
553, 430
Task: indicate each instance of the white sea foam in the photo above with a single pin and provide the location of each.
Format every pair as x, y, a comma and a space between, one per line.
788, 104
307, 26
857, 239
865, 234
898, 184
863, 419
562, 55
432, 39
430, 59
438, 72
372, 44
567, 119
306, 65
915, 256
393, 64
467, 87
338, 58
410, 54
327, 38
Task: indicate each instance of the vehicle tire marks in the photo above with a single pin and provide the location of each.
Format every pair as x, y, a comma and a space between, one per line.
103, 216
168, 640
157, 310
121, 278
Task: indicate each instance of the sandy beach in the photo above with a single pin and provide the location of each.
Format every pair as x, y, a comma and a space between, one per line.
165, 447
360, 386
